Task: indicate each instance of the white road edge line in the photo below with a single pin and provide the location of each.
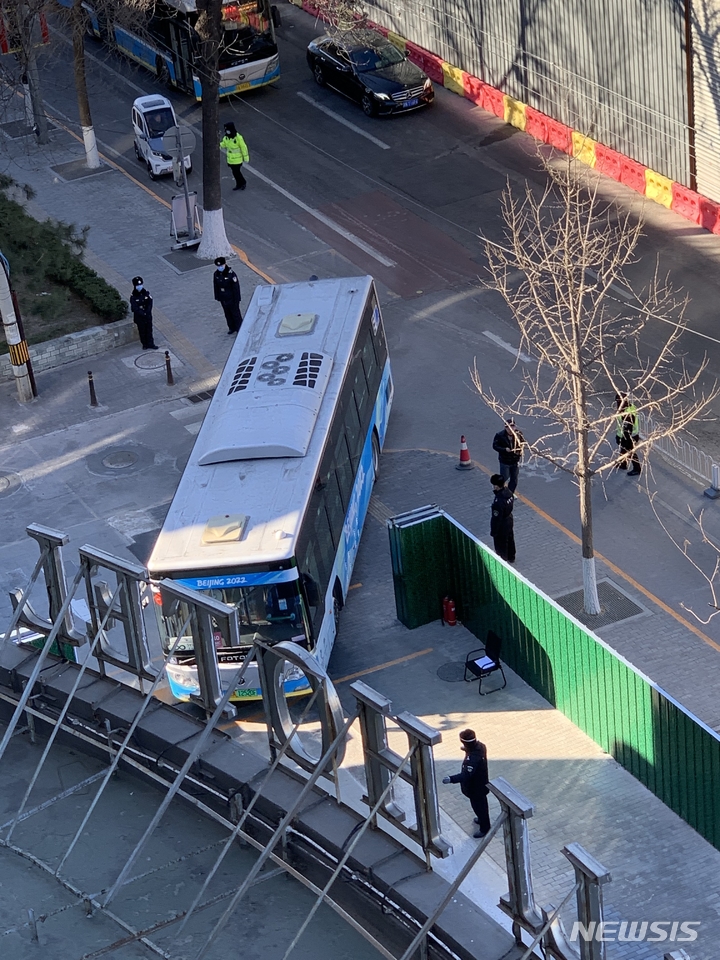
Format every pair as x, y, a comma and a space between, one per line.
507, 346
346, 123
356, 241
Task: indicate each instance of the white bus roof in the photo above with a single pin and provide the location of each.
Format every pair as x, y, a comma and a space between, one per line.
246, 485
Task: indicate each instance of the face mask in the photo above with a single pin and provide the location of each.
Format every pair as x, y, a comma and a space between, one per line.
139, 286
220, 269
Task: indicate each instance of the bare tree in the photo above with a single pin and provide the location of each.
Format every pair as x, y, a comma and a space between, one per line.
131, 14
22, 18
214, 241
565, 256
341, 15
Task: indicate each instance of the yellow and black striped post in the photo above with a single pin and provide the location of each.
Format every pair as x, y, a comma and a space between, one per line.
17, 344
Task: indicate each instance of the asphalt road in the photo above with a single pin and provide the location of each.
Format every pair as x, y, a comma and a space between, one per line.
408, 199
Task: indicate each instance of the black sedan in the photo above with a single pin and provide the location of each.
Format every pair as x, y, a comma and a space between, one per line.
368, 69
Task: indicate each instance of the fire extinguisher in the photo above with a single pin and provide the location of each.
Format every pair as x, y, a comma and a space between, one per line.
448, 614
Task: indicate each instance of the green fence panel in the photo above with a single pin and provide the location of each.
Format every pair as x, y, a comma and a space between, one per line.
660, 743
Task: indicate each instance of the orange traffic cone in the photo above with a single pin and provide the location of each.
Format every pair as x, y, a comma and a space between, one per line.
465, 462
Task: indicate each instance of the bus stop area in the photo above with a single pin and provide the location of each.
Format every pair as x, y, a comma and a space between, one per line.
105, 475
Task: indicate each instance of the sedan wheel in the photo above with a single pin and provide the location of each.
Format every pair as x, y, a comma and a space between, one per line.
368, 104
151, 172
319, 74
138, 154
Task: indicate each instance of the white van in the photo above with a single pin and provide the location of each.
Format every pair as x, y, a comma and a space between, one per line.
151, 117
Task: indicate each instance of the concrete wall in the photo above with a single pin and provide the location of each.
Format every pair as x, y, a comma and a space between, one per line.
74, 346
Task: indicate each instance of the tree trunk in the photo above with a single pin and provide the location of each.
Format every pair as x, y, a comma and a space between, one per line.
41, 125
591, 603
78, 34
214, 241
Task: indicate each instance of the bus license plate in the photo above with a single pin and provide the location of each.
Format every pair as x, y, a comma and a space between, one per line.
411, 103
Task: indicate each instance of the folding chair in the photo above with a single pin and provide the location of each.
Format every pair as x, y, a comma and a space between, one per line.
480, 663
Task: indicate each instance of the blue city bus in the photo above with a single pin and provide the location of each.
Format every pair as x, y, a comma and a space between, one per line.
268, 514
167, 45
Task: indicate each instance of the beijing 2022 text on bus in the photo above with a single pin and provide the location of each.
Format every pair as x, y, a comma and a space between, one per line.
268, 513
168, 44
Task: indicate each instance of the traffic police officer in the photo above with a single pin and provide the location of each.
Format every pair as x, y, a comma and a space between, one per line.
237, 154
227, 292
501, 519
141, 305
473, 778
627, 434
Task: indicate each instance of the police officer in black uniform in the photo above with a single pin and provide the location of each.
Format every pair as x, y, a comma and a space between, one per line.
501, 520
141, 304
473, 778
227, 292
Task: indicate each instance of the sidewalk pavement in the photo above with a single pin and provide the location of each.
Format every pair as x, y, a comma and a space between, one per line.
661, 868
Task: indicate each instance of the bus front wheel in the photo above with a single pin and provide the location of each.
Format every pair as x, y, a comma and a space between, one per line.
375, 456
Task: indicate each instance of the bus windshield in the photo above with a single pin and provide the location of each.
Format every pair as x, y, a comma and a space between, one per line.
246, 31
271, 612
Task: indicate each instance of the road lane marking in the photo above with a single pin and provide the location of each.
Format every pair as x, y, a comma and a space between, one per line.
341, 231
507, 346
627, 294
346, 123
382, 666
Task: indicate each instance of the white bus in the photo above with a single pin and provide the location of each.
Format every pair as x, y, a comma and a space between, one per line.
269, 511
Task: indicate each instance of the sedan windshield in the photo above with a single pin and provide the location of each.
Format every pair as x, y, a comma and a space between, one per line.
376, 57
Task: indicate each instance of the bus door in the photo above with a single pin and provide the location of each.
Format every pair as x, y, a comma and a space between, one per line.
183, 57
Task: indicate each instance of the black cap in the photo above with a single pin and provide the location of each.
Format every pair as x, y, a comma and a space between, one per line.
497, 480
220, 261
468, 736
137, 280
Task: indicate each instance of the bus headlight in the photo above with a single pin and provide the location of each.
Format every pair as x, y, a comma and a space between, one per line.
272, 65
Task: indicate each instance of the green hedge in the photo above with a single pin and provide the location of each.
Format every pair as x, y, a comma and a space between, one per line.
52, 249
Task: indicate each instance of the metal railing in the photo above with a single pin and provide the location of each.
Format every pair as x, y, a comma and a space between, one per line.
686, 456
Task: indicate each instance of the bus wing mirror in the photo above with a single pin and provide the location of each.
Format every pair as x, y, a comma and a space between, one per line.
275, 15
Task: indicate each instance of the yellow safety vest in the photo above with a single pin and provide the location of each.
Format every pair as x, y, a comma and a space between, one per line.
629, 411
237, 151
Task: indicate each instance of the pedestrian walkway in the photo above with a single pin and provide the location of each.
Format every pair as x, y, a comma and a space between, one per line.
661, 868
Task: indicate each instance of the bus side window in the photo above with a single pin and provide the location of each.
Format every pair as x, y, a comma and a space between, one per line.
353, 431
362, 397
343, 467
373, 372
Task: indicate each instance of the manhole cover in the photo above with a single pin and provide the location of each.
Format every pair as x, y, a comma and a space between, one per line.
117, 461
8, 483
614, 606
120, 459
150, 360
452, 672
